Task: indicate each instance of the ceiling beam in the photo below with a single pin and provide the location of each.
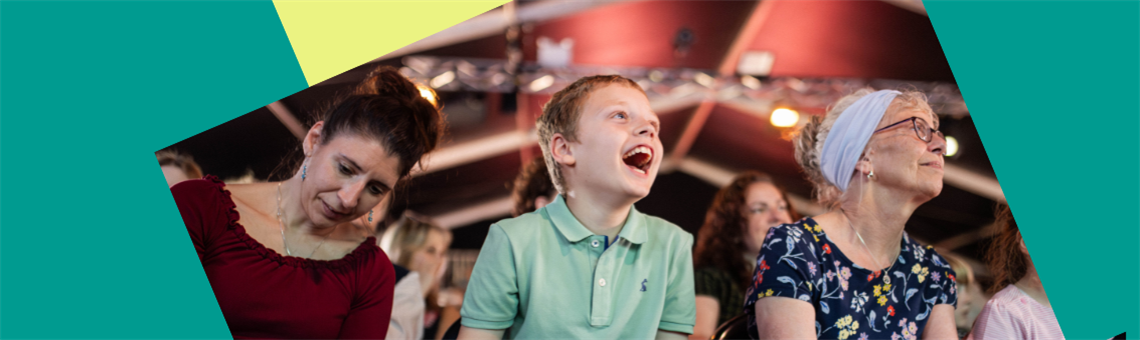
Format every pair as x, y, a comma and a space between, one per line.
720, 177
744, 38
286, 117
910, 5
483, 148
979, 184
495, 22
473, 151
961, 240
485, 210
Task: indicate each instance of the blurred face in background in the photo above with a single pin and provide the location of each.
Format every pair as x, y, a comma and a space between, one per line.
430, 259
764, 208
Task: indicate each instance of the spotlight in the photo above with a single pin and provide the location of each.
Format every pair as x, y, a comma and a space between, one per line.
951, 146
785, 117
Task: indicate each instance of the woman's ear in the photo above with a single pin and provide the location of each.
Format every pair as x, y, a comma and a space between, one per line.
313, 139
561, 151
864, 167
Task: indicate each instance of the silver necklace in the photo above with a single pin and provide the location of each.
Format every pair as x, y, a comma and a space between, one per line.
281, 224
865, 247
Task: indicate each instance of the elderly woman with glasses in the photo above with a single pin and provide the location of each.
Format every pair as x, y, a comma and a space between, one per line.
853, 273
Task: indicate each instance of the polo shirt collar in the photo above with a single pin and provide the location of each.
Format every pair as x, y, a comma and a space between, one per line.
634, 230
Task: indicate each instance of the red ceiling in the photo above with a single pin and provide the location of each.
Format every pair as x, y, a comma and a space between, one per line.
856, 39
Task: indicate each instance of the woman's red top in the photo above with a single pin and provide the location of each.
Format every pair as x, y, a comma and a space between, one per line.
263, 294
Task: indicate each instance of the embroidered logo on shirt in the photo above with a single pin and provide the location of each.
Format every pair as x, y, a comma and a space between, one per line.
643, 282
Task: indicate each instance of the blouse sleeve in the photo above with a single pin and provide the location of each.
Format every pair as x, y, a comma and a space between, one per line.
996, 322
492, 298
371, 310
782, 268
206, 210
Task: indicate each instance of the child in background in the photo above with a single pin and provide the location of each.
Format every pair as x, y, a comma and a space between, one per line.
532, 188
588, 265
1020, 309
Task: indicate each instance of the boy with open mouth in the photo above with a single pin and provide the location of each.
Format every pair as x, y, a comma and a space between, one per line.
588, 265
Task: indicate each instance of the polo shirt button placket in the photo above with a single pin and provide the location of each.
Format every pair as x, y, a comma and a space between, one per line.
595, 243
602, 282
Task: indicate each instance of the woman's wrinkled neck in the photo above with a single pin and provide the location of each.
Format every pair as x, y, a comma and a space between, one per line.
877, 214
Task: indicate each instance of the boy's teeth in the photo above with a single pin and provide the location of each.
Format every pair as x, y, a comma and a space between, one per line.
640, 149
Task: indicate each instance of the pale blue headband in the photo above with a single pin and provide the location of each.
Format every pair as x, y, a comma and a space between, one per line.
850, 134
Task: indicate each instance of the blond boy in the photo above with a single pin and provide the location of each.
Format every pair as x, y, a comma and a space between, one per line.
588, 265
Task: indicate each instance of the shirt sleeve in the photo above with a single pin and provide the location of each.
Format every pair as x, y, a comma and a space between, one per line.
782, 269
407, 309
371, 310
680, 312
492, 298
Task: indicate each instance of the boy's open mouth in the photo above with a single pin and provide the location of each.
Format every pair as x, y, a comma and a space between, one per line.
639, 158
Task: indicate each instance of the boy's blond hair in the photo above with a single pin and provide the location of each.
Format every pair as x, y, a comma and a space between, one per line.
561, 113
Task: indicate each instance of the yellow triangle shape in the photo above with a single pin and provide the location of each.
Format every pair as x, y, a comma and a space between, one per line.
330, 37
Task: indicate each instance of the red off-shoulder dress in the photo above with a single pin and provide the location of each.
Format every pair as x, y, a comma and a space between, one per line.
263, 294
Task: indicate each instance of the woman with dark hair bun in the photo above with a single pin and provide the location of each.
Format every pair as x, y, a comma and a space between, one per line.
1019, 309
729, 242
277, 265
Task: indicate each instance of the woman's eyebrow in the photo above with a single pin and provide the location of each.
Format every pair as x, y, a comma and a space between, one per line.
350, 162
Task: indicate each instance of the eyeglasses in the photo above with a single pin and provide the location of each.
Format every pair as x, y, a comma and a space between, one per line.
921, 129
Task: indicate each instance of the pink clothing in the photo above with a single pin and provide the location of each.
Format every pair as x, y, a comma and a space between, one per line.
1011, 314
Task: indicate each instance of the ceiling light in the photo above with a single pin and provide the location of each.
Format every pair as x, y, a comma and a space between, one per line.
785, 117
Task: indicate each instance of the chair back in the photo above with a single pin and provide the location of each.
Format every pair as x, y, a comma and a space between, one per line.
735, 328
452, 332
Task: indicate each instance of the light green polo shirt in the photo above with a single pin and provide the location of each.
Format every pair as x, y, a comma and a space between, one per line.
544, 275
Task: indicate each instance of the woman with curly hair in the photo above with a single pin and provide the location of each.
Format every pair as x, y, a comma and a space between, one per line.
728, 243
1019, 309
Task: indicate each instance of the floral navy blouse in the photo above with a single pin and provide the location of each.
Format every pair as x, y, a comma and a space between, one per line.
799, 261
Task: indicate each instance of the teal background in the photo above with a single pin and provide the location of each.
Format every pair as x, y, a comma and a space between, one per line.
1054, 88
92, 245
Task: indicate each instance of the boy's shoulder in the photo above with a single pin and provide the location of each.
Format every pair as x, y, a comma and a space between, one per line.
525, 224
660, 231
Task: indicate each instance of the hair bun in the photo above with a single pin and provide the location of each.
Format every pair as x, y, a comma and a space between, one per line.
388, 106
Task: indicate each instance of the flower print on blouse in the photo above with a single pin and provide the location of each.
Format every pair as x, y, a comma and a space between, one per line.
798, 261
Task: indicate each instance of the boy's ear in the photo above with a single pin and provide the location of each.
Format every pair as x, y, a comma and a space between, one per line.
560, 150
312, 138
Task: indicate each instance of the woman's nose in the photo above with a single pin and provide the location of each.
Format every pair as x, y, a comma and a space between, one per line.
350, 194
937, 145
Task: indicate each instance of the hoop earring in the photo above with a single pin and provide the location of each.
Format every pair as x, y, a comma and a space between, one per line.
370, 216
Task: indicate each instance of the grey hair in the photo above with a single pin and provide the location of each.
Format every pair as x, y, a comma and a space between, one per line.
810, 138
